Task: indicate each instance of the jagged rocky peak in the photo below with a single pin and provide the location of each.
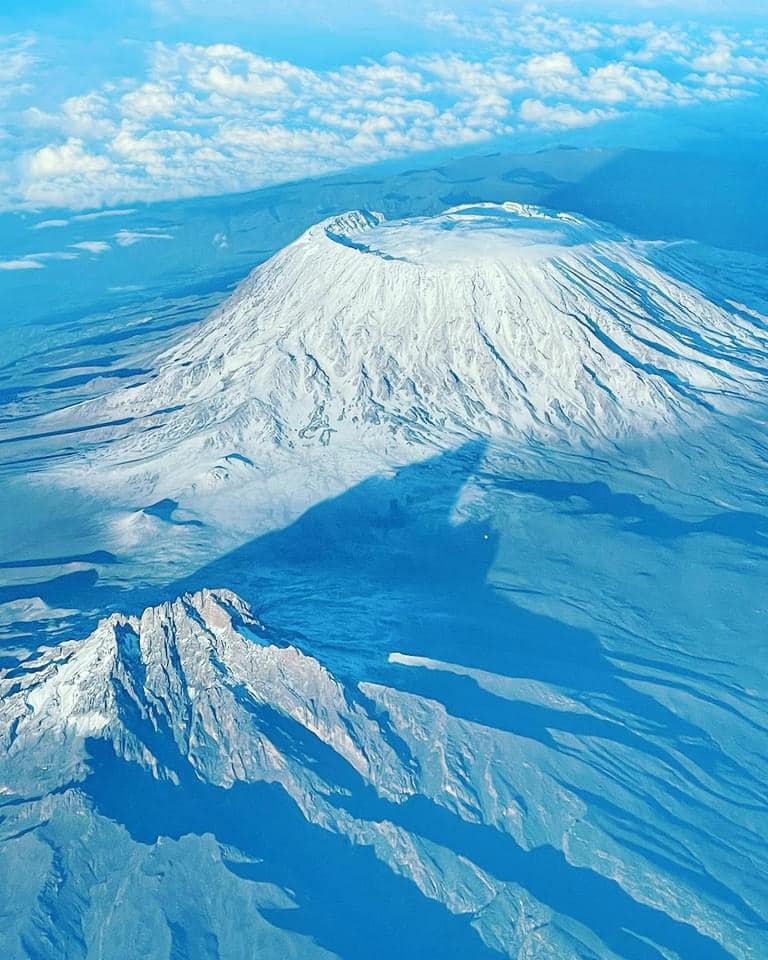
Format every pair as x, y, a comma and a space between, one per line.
200, 693
201, 672
71, 686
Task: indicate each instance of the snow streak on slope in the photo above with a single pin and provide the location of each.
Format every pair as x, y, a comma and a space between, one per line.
492, 320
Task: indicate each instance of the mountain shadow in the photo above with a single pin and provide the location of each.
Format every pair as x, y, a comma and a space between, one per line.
388, 567
347, 900
719, 200
385, 567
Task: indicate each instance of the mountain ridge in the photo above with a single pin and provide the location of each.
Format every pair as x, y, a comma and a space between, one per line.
204, 698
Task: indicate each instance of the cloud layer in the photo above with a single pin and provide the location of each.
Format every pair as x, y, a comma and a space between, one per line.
218, 118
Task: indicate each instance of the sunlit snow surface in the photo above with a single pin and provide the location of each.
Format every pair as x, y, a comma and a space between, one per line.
477, 234
468, 514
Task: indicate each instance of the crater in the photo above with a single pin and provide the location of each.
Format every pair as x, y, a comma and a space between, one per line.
470, 233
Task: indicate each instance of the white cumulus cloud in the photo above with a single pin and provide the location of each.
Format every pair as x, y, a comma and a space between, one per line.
561, 114
62, 160
219, 117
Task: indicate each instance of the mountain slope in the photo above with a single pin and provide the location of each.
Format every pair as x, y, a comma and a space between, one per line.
125, 754
500, 321
198, 694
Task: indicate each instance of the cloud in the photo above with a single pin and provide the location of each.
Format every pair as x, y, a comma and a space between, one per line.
71, 157
661, 43
621, 83
45, 224
215, 118
36, 261
92, 246
561, 115
100, 214
23, 264
127, 238
17, 61
52, 255
78, 117
81, 218
546, 66
723, 57
148, 101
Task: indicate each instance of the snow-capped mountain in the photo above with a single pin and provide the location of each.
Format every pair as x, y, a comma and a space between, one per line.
501, 321
177, 769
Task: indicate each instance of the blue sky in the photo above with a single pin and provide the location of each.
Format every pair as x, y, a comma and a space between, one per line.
163, 99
